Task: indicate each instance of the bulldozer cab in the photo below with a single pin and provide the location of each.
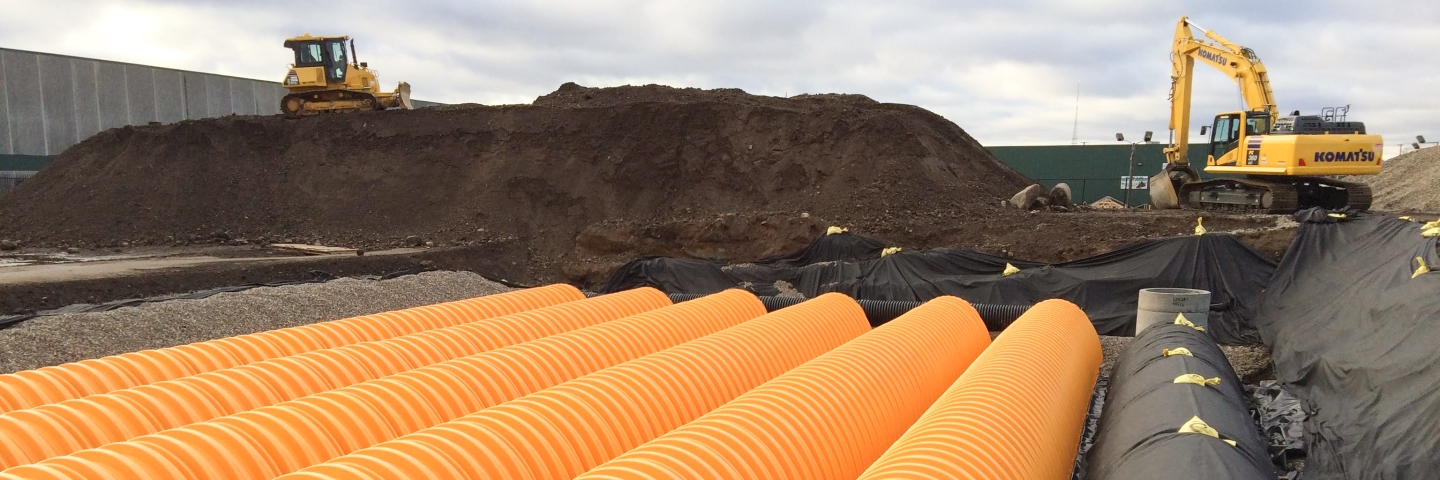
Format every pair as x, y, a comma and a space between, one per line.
327, 52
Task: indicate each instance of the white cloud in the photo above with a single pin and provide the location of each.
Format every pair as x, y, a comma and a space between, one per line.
1006, 72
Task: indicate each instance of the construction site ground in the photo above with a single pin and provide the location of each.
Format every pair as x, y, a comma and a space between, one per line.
103, 275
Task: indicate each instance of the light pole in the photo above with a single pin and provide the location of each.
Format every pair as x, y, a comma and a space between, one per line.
1129, 178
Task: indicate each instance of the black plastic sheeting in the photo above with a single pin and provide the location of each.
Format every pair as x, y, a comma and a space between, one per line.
8, 321
1092, 426
1145, 408
1355, 338
1282, 420
878, 312
1105, 286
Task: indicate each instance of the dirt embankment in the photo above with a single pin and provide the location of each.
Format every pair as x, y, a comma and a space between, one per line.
542, 174
567, 188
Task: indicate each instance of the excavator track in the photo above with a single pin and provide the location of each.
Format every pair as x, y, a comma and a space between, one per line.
1283, 195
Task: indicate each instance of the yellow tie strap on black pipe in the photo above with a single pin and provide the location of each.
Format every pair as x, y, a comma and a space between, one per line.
1197, 379
1196, 425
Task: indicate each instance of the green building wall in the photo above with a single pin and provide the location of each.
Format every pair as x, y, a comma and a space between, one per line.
1092, 171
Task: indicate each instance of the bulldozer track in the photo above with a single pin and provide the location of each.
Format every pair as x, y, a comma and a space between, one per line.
327, 101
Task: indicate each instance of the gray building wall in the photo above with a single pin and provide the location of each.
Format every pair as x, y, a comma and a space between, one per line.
49, 102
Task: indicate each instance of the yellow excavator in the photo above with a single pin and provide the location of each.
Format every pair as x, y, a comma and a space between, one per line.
1284, 161
324, 80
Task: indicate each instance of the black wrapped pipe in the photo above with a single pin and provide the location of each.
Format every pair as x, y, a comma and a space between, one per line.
996, 317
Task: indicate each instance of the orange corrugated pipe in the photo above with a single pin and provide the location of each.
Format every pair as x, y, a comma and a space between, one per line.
31, 388
33, 434
283, 438
563, 431
1016, 413
827, 419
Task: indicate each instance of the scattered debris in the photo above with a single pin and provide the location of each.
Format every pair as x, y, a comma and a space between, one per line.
1107, 203
315, 249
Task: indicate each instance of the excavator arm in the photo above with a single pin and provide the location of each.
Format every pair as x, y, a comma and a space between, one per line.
1237, 62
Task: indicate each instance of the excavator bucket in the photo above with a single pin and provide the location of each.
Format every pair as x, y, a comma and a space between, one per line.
1162, 191
1164, 186
403, 92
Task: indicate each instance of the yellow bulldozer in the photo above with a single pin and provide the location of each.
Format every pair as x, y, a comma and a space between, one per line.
324, 80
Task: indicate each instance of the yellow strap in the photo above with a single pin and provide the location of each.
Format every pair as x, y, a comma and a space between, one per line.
1197, 379
1423, 268
888, 251
1338, 215
1431, 232
1407, 218
1180, 320
1178, 351
1199, 226
1009, 270
834, 230
1196, 425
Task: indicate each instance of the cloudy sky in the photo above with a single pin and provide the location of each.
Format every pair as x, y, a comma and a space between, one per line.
1006, 72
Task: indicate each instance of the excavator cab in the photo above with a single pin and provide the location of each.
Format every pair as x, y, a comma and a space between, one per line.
325, 79
1233, 129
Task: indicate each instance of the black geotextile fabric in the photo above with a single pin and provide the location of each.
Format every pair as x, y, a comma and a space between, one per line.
1105, 286
1139, 434
1358, 341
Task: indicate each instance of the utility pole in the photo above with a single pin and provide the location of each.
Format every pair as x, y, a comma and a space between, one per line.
1075, 131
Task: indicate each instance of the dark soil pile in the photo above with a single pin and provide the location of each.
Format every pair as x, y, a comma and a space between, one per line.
540, 174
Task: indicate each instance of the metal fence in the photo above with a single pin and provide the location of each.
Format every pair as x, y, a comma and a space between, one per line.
9, 179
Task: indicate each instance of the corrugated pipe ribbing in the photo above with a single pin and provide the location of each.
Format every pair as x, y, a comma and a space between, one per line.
996, 317
563, 431
34, 434
283, 438
828, 418
46, 385
1016, 413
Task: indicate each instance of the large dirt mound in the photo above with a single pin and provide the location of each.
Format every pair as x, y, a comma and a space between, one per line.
537, 173
1407, 183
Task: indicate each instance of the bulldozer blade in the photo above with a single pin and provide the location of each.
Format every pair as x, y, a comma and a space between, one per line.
1162, 191
403, 91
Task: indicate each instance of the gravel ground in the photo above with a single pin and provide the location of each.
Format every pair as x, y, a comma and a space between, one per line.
1406, 183
1251, 362
72, 337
